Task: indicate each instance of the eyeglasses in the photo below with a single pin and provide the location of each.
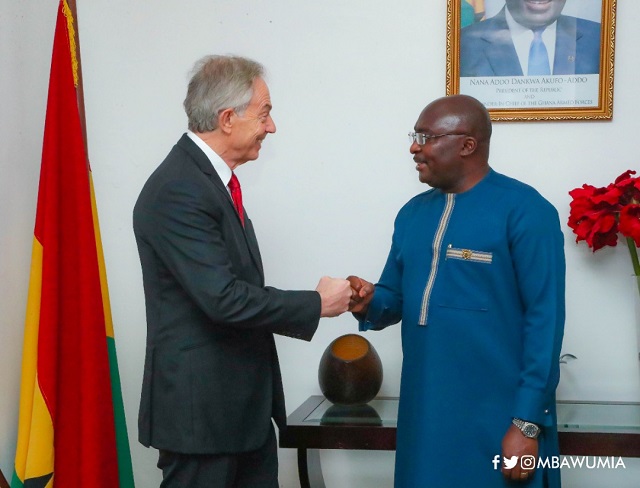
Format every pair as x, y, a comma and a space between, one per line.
421, 139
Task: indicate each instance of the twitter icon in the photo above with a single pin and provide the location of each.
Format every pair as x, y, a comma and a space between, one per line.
510, 463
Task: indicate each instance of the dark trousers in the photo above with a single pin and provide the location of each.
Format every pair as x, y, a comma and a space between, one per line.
254, 469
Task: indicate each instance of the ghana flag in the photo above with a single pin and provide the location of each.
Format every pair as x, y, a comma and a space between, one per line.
71, 431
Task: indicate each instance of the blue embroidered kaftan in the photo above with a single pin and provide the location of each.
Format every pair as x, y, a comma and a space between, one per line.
478, 281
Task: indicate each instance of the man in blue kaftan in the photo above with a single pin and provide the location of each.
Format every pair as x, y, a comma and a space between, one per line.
476, 274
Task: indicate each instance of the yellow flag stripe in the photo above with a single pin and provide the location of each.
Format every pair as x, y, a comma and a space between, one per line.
106, 305
41, 453
34, 453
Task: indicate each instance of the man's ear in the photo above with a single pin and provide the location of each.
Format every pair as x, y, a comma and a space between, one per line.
225, 120
469, 146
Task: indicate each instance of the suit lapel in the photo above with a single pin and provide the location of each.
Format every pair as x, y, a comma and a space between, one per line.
206, 167
252, 242
566, 40
501, 53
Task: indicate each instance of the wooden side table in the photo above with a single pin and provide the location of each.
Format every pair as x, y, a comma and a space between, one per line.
584, 429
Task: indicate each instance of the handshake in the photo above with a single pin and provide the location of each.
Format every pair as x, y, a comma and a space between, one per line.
339, 296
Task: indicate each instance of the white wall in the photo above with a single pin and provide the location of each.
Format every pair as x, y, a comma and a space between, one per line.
348, 80
26, 40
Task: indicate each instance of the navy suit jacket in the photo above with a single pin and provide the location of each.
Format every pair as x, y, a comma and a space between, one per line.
211, 379
486, 48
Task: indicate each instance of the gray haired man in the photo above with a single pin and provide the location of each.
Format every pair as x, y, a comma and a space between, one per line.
212, 382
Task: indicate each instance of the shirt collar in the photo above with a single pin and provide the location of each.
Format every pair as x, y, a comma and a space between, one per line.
224, 172
521, 37
518, 29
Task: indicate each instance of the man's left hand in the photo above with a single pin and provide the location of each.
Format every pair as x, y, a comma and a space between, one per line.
514, 443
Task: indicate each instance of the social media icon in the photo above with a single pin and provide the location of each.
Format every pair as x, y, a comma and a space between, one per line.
510, 463
528, 462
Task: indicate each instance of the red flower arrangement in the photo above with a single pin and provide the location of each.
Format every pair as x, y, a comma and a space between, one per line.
598, 215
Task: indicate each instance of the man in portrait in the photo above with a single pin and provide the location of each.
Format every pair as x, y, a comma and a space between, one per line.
532, 38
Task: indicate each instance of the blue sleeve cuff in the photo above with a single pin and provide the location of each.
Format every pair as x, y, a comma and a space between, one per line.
378, 316
535, 406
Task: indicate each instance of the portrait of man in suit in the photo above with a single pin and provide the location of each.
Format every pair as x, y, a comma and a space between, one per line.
530, 38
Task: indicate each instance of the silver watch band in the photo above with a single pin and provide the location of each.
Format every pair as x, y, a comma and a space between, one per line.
528, 429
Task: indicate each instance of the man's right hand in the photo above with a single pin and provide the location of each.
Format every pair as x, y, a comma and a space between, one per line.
335, 294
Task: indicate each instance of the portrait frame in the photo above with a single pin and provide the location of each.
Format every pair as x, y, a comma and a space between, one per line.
518, 97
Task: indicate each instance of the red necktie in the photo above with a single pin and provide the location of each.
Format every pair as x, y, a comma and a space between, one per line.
236, 195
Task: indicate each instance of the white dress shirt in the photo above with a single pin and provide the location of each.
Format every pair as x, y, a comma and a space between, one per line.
522, 37
224, 172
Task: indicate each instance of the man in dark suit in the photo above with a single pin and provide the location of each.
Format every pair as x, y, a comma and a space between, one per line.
501, 45
212, 381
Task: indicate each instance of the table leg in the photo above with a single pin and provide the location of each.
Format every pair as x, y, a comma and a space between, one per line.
309, 469
3, 482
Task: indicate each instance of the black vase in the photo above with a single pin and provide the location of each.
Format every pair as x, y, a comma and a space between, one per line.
351, 415
350, 371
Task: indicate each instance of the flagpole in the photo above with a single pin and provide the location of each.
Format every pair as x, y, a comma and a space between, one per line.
80, 87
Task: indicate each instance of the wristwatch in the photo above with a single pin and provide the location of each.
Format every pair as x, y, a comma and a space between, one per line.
528, 429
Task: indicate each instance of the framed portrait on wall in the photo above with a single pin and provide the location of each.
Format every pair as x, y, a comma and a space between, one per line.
533, 59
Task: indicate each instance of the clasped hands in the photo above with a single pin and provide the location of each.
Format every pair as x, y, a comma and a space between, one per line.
338, 296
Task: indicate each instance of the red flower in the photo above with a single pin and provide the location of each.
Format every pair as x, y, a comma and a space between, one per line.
629, 188
593, 215
598, 214
629, 224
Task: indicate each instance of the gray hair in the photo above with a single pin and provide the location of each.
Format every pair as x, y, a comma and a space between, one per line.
218, 83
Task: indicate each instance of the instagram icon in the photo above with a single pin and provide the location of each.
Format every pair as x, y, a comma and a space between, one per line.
527, 462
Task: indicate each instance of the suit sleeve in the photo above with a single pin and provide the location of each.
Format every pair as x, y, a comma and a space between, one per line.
185, 229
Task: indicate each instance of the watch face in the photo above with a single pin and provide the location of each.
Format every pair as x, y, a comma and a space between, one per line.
530, 430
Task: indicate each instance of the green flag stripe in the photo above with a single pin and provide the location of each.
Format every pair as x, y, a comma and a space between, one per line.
16, 482
125, 469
